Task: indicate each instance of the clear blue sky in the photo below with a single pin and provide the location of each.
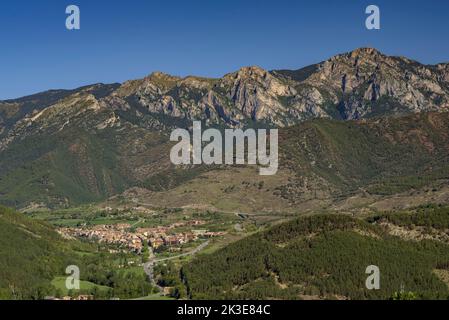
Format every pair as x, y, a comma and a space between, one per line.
121, 40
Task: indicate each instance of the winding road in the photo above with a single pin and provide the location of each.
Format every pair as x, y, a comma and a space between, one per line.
149, 266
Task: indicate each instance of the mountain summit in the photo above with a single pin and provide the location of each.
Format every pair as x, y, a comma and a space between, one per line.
360, 84
65, 147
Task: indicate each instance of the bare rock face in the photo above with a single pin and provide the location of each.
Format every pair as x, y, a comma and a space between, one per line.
360, 84
443, 69
255, 93
369, 83
214, 109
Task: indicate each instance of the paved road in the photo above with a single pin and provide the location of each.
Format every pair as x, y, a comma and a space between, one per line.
136, 223
149, 266
190, 253
149, 270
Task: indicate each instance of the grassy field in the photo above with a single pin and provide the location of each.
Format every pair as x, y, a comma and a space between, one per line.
59, 283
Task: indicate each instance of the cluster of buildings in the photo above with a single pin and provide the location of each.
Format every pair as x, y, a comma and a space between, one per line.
110, 234
161, 236
120, 234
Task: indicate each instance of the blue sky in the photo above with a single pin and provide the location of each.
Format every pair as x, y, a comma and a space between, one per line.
121, 40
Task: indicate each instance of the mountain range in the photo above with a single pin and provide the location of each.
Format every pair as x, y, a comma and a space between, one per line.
358, 122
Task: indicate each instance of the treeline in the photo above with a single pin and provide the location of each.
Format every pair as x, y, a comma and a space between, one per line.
430, 216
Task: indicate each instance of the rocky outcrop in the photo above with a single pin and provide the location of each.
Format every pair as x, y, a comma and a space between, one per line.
360, 84
365, 83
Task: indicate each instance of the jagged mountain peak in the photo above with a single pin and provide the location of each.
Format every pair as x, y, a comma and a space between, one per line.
250, 71
359, 84
366, 50
353, 85
162, 78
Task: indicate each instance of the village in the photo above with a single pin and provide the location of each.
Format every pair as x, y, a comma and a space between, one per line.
123, 236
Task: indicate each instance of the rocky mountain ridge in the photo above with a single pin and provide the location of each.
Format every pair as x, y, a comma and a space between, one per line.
65, 147
360, 84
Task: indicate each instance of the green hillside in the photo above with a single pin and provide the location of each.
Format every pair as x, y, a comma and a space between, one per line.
382, 156
34, 259
321, 256
76, 166
319, 158
32, 253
